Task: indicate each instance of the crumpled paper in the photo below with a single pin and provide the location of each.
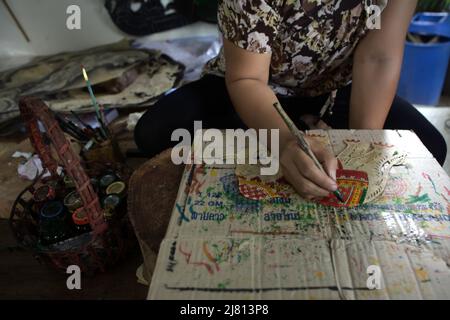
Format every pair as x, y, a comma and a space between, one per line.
32, 168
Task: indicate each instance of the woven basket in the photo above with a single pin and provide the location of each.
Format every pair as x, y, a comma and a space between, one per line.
94, 251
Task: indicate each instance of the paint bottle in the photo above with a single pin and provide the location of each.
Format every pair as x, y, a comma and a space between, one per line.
44, 193
73, 201
110, 205
95, 184
41, 195
69, 183
81, 221
117, 188
53, 226
107, 179
58, 186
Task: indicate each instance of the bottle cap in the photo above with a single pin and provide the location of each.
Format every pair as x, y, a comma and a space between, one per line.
111, 201
80, 217
68, 181
117, 187
44, 193
94, 182
52, 209
54, 184
107, 179
73, 201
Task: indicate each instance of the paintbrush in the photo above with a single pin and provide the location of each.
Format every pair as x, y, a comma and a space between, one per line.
88, 129
102, 114
80, 121
94, 102
71, 129
303, 144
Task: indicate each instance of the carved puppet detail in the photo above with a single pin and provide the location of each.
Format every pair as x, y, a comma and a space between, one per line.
362, 176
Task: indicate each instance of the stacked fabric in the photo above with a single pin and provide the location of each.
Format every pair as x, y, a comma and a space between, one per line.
121, 75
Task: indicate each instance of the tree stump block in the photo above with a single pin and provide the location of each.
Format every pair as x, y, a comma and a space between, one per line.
152, 193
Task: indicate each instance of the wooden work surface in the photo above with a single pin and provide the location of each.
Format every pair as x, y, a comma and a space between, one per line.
220, 246
22, 277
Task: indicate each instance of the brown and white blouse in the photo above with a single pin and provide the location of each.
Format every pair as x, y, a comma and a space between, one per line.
312, 41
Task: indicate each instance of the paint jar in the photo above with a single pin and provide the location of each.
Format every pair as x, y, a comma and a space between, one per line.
117, 188
81, 221
110, 205
95, 184
58, 187
69, 183
73, 201
107, 179
41, 195
44, 193
53, 226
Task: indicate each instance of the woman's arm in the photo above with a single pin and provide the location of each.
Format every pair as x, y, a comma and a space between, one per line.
247, 76
377, 65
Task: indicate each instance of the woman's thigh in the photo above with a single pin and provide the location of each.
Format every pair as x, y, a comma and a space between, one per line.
405, 116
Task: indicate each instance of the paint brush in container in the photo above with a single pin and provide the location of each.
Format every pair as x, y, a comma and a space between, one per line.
303, 144
94, 102
71, 129
91, 132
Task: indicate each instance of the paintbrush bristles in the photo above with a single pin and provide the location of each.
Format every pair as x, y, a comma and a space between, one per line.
85, 74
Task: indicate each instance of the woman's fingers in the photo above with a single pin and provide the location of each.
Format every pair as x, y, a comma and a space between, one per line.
311, 172
303, 186
330, 165
303, 174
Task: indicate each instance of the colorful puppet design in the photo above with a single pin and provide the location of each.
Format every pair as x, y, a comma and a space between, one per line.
353, 186
256, 189
253, 186
374, 158
362, 176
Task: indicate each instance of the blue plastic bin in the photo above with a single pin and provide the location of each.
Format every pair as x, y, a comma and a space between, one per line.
425, 65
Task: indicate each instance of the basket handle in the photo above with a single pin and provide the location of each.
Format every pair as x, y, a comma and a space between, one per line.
33, 109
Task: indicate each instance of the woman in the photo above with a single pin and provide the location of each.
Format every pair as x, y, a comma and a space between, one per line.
310, 56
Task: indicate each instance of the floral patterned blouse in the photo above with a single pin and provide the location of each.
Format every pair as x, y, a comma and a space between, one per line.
312, 41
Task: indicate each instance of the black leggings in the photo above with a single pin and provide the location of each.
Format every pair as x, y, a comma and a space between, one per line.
207, 100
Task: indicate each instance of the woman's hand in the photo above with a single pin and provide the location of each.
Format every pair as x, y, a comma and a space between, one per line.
301, 172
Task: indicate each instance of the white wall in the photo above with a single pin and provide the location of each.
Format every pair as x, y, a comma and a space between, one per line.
45, 23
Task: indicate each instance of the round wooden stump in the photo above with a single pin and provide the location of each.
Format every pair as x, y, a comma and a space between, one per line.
152, 193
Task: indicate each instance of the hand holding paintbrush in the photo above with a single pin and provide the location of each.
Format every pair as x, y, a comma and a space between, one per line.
303, 144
